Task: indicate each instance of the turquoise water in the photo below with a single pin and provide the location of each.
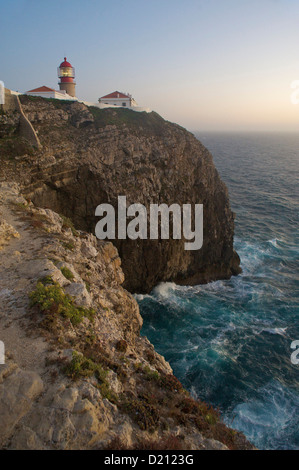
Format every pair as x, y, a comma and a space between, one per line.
229, 341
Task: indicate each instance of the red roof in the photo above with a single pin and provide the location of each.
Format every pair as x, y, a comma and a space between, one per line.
65, 63
115, 94
41, 89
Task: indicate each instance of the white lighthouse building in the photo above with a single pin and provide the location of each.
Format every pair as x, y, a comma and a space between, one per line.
118, 99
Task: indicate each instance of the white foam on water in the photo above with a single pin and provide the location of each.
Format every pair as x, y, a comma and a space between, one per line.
164, 289
251, 256
268, 418
275, 331
140, 297
274, 242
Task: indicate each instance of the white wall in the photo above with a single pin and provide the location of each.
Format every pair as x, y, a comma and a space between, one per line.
52, 94
138, 109
117, 101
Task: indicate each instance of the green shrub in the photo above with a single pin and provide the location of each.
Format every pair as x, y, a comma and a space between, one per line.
21, 205
46, 280
81, 366
107, 393
67, 273
211, 418
68, 245
87, 285
50, 298
189, 406
144, 414
151, 374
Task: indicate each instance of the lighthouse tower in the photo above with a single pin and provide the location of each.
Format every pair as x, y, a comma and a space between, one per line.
66, 74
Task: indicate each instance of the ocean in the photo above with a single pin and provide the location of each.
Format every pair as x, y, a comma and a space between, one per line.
229, 341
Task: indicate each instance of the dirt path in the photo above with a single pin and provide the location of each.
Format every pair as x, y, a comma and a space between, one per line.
27, 349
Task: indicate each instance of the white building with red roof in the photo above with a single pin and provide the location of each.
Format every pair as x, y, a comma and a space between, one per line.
46, 92
117, 98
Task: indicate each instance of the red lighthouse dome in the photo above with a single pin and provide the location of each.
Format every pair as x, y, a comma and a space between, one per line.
66, 74
65, 63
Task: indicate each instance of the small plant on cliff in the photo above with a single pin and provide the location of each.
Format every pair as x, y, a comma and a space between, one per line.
189, 406
170, 382
87, 285
67, 273
46, 280
68, 245
67, 223
50, 298
145, 414
151, 357
21, 206
151, 374
81, 366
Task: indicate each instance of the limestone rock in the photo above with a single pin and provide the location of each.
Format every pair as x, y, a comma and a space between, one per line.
40, 268
17, 395
79, 292
6, 233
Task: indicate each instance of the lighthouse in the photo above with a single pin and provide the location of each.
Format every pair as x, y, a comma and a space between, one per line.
66, 75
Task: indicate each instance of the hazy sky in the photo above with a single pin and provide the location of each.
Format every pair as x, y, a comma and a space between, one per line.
207, 65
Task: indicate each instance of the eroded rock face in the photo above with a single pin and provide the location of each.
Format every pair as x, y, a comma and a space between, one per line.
92, 156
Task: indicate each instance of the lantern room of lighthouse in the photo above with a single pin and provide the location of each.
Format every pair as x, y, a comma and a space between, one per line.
66, 75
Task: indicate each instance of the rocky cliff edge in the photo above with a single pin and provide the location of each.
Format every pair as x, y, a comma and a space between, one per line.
78, 375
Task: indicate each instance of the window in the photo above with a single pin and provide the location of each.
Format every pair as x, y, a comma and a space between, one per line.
124, 104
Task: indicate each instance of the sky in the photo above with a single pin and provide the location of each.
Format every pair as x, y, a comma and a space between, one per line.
212, 65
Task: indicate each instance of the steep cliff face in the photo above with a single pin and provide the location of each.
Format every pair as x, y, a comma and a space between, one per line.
92, 156
78, 375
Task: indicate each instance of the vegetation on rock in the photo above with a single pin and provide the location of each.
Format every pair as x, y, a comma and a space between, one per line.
50, 298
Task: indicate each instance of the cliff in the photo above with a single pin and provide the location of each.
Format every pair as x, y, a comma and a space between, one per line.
92, 156
78, 375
